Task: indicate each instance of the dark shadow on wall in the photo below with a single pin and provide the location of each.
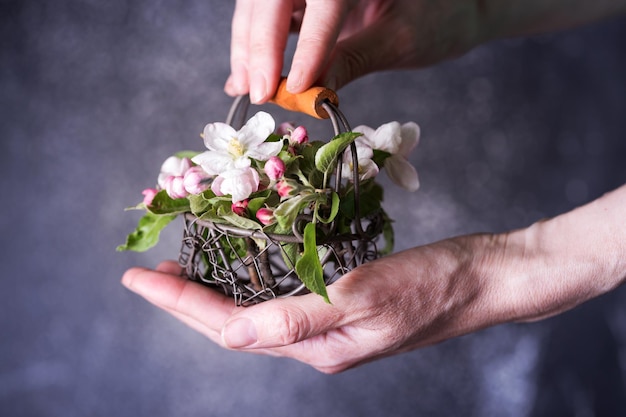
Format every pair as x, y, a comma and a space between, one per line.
579, 370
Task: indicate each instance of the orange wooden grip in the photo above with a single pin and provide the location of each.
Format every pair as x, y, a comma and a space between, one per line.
308, 102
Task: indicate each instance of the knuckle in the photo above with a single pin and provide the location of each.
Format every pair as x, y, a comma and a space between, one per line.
289, 327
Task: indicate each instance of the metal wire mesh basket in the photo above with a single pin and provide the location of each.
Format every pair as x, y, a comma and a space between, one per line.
213, 254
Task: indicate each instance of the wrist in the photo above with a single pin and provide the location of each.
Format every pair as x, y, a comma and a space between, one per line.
557, 264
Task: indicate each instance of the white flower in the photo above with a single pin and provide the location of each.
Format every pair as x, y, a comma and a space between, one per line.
385, 138
173, 167
367, 168
398, 166
238, 183
230, 149
397, 140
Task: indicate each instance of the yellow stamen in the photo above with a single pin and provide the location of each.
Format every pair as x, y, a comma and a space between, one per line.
235, 148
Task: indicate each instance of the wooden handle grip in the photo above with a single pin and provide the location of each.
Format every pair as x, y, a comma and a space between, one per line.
308, 102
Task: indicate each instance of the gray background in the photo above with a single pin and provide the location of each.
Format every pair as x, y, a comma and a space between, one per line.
94, 95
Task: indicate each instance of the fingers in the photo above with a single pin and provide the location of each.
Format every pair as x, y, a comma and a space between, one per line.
200, 307
237, 83
259, 36
321, 24
280, 322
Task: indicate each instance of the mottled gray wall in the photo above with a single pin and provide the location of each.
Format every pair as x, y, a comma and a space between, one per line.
95, 94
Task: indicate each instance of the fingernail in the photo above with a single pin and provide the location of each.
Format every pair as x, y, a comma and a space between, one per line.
239, 333
258, 88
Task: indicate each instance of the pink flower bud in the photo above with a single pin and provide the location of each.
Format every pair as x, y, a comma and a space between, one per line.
195, 180
299, 136
148, 195
174, 187
284, 129
173, 166
274, 168
240, 207
265, 216
286, 188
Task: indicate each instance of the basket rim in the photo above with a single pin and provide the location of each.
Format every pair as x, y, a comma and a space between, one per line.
260, 234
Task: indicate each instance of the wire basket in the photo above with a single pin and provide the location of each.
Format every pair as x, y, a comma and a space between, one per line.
254, 266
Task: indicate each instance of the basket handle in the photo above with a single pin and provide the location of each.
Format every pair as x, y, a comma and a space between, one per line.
308, 102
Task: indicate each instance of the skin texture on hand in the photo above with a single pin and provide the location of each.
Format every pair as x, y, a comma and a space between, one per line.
417, 297
342, 40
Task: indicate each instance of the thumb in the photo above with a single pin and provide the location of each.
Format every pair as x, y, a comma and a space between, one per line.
279, 322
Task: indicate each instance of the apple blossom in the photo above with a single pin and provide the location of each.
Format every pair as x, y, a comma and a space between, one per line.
386, 138
287, 188
196, 180
299, 136
398, 167
175, 188
173, 167
238, 183
148, 195
274, 168
229, 149
240, 207
265, 216
367, 168
284, 129
397, 140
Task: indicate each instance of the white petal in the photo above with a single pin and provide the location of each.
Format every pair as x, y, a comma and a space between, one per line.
264, 151
214, 163
410, 137
240, 183
256, 130
367, 132
171, 165
217, 136
402, 172
367, 169
387, 137
216, 186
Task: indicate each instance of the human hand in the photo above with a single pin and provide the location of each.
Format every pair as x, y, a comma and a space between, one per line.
394, 304
341, 40
416, 297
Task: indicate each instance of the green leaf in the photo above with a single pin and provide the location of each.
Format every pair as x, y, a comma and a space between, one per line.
242, 222
370, 199
146, 235
290, 254
388, 236
288, 210
309, 267
326, 156
199, 203
186, 154
334, 209
307, 161
380, 156
164, 204
211, 216
261, 199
